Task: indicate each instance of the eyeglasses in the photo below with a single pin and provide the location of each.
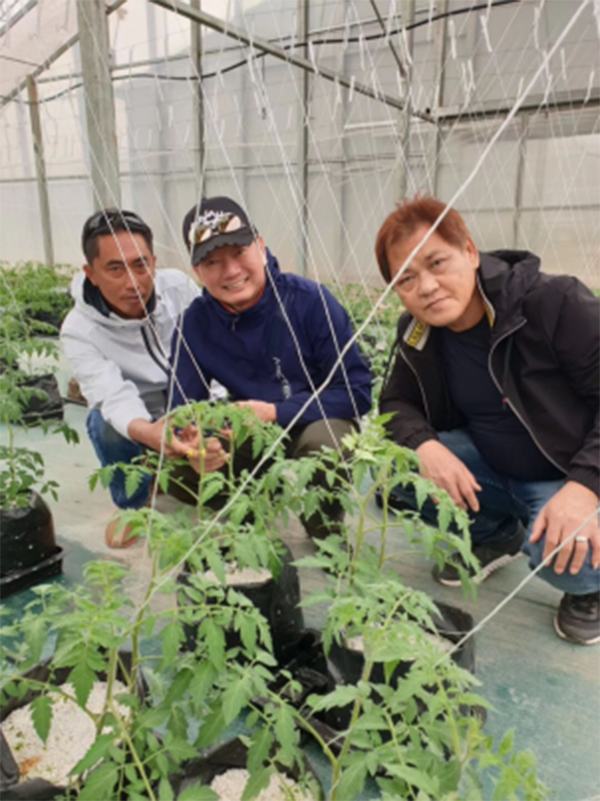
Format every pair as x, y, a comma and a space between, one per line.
107, 220
213, 226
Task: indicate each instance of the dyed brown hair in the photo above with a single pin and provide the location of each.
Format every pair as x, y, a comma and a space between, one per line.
410, 215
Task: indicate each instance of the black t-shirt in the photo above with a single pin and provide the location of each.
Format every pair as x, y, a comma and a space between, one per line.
497, 432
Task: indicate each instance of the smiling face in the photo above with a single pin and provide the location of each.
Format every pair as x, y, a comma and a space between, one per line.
439, 285
123, 271
235, 275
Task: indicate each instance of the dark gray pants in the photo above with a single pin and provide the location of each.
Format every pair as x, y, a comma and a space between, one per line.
304, 441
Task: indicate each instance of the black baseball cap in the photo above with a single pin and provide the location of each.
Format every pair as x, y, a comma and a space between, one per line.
216, 223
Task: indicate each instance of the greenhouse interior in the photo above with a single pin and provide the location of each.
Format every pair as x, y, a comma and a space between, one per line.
299, 399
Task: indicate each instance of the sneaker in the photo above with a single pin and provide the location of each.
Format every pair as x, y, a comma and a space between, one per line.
491, 557
118, 535
578, 618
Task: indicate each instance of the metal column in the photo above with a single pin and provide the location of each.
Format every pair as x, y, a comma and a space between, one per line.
524, 122
302, 160
198, 115
439, 39
40, 169
407, 111
99, 102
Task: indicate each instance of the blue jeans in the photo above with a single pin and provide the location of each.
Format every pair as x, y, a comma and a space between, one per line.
111, 448
503, 502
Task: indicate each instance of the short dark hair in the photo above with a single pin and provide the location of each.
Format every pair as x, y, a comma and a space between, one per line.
107, 222
411, 214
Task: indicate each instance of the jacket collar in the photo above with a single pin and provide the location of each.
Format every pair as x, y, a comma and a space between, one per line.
93, 297
503, 278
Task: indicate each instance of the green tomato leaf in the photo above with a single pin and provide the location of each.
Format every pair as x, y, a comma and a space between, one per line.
41, 714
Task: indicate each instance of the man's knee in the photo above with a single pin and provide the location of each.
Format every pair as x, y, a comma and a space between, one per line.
320, 434
99, 430
586, 580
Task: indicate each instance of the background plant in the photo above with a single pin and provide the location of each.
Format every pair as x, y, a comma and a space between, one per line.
377, 340
38, 291
22, 468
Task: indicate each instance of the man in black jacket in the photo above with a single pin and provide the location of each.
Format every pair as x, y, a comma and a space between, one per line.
495, 385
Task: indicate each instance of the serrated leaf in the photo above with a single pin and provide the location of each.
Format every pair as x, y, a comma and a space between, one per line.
165, 791
352, 780
41, 715
100, 784
101, 746
341, 696
257, 781
133, 479
235, 698
211, 729
259, 749
171, 636
197, 792
179, 686
82, 677
203, 679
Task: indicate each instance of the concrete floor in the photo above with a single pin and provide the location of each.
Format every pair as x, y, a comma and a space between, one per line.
545, 688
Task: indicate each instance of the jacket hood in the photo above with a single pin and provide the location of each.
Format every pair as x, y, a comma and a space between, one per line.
504, 278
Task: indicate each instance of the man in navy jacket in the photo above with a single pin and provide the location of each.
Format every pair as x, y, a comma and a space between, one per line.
275, 341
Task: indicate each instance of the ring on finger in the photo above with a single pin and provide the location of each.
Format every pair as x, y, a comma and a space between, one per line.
581, 539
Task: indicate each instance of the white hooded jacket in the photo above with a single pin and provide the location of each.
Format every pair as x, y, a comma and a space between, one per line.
122, 366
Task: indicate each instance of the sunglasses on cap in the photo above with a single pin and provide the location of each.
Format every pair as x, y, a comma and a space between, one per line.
106, 221
223, 224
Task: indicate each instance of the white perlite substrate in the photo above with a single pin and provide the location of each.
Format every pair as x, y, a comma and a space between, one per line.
229, 786
71, 734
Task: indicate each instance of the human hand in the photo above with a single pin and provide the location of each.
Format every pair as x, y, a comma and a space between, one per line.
266, 412
572, 508
207, 455
157, 437
441, 466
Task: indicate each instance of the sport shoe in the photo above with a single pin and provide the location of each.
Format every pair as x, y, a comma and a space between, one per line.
118, 535
578, 618
490, 558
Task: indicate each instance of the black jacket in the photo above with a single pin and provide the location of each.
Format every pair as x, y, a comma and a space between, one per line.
544, 358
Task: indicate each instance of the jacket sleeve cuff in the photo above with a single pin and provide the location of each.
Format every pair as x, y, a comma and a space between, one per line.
120, 421
589, 478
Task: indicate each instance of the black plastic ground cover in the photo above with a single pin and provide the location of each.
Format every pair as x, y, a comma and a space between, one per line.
28, 550
278, 601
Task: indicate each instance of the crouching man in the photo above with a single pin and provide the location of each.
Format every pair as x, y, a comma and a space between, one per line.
271, 339
495, 385
117, 339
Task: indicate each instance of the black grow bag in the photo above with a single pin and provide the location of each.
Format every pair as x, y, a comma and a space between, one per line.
318, 673
37, 789
278, 602
228, 756
46, 406
28, 550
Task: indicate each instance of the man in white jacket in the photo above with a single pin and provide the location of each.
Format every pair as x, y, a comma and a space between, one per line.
117, 339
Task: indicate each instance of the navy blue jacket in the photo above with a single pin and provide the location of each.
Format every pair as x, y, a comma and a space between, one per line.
258, 355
